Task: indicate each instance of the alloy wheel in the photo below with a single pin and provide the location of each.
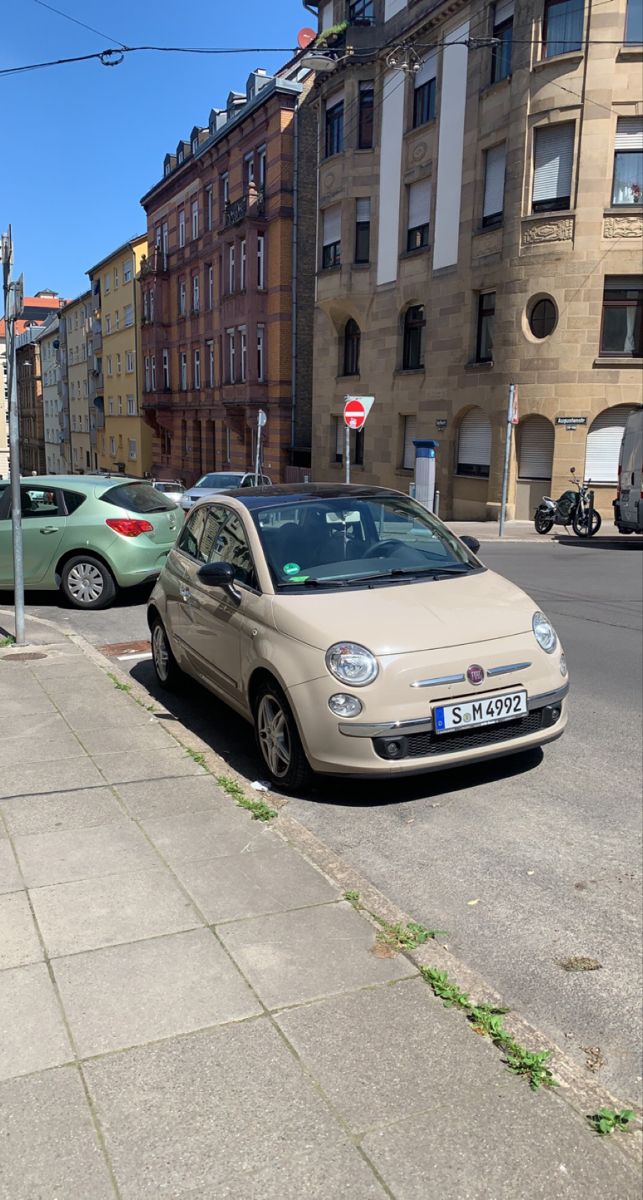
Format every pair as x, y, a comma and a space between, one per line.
85, 583
274, 736
160, 653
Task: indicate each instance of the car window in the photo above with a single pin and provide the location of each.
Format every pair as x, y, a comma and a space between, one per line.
137, 497
190, 535
38, 502
219, 479
73, 500
216, 516
231, 546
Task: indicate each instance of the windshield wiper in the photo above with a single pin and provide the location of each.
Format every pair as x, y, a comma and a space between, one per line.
410, 573
312, 582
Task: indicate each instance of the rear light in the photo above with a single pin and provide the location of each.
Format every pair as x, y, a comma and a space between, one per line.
128, 526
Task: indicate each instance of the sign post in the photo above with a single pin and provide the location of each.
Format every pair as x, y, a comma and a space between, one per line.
261, 421
13, 304
356, 410
512, 419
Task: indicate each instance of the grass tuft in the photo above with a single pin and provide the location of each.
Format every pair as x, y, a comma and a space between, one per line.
259, 810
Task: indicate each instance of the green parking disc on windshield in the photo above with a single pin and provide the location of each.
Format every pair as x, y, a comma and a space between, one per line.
291, 569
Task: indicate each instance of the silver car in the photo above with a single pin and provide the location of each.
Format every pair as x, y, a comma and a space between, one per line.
172, 488
221, 481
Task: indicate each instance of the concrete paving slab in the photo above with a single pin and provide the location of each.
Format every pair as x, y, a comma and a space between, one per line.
249, 885
45, 725
297, 956
32, 1033
173, 985
19, 942
37, 749
202, 1114
122, 740
49, 1145
90, 913
158, 798
111, 714
24, 707
65, 854
193, 836
69, 774
155, 764
501, 1146
61, 810
10, 877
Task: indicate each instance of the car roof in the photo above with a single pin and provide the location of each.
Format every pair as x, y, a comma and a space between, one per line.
90, 481
261, 497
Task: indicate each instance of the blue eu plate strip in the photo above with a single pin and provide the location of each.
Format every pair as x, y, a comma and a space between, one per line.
438, 718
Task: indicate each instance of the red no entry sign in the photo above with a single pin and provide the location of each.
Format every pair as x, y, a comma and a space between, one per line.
356, 410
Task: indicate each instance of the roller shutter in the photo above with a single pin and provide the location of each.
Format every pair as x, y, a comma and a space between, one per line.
604, 444
535, 448
474, 443
553, 158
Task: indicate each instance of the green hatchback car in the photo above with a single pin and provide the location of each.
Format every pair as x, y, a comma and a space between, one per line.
88, 536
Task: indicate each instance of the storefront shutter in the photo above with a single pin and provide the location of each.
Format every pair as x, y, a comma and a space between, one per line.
604, 444
428, 70
332, 223
553, 157
474, 443
494, 182
419, 203
535, 448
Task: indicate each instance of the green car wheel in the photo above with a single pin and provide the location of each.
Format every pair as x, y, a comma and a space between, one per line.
87, 583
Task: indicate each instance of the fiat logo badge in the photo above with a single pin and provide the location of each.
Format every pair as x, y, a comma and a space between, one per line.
475, 674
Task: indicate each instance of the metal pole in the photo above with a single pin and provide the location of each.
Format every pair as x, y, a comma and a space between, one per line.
258, 454
10, 312
347, 455
505, 472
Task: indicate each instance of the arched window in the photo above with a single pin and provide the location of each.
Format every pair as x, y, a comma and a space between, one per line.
474, 444
413, 345
352, 339
535, 437
604, 444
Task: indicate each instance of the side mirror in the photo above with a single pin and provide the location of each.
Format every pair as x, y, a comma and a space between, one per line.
220, 574
471, 542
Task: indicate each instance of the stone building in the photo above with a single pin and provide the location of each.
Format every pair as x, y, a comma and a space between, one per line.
227, 283
30, 408
480, 220
75, 330
56, 413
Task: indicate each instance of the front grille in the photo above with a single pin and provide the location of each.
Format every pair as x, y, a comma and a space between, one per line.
426, 745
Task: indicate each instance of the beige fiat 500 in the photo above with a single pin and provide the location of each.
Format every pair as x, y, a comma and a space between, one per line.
355, 632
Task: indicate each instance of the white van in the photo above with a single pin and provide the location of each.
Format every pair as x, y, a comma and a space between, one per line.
628, 506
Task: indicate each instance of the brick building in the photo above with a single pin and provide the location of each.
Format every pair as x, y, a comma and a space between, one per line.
30, 403
227, 279
480, 222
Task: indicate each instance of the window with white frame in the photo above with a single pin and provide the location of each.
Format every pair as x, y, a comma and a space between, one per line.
627, 186
409, 425
153, 371
225, 190
261, 365
232, 355
107, 283
331, 237
248, 170
196, 370
129, 361
227, 443
231, 267
118, 364
210, 349
183, 360
117, 319
131, 406
166, 370
112, 446
182, 297
115, 277
553, 161
109, 363
419, 214
128, 315
151, 304
131, 446
243, 353
208, 206
424, 89
261, 157
261, 260
503, 23
210, 284
362, 229
195, 293
108, 327
195, 220
127, 270
181, 227
242, 264
494, 185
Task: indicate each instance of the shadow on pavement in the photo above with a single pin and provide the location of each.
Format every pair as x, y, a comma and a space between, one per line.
125, 598
624, 542
232, 739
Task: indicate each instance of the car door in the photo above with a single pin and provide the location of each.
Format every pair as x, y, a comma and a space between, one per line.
221, 626
43, 528
178, 577
6, 549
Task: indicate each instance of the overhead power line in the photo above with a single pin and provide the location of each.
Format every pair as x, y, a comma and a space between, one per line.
59, 12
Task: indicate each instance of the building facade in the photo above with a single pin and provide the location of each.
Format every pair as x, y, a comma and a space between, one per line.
124, 440
56, 417
227, 283
30, 408
480, 221
4, 406
74, 374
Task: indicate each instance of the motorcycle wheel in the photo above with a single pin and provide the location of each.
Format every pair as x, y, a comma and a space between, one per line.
542, 522
580, 524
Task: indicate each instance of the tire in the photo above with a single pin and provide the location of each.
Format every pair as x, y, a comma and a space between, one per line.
87, 583
580, 524
277, 738
542, 523
168, 672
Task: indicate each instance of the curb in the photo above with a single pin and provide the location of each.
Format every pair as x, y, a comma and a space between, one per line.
576, 1089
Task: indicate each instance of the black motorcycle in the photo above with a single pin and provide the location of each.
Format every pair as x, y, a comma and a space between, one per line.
572, 508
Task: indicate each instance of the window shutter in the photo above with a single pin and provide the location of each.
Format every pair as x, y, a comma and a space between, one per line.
428, 70
332, 219
604, 444
474, 442
553, 157
334, 99
629, 133
535, 448
494, 182
502, 12
419, 203
363, 209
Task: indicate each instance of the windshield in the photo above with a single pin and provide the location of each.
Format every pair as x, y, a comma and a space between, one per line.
219, 479
138, 497
168, 487
335, 543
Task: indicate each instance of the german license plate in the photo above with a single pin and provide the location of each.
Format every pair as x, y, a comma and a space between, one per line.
486, 710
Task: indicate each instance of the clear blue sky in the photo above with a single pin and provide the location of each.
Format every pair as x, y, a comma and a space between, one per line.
88, 141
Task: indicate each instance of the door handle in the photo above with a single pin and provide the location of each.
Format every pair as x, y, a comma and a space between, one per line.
185, 594
49, 529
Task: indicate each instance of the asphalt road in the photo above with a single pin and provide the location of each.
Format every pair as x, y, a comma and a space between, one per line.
526, 864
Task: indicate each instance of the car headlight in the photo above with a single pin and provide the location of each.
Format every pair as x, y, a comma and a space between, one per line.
544, 632
352, 663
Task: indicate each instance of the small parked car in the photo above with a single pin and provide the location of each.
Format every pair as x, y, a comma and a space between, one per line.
221, 481
172, 488
88, 536
355, 632
628, 506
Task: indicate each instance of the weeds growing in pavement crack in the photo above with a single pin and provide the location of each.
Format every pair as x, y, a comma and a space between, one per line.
198, 758
9, 640
118, 683
398, 936
606, 1120
258, 809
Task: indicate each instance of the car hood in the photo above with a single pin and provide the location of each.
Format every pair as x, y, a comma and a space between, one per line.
198, 493
403, 618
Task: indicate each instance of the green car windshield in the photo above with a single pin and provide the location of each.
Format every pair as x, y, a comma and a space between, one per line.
358, 541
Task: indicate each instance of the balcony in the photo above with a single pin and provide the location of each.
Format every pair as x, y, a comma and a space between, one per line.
154, 265
251, 204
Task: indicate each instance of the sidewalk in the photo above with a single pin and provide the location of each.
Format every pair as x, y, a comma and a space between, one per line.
523, 531
190, 1009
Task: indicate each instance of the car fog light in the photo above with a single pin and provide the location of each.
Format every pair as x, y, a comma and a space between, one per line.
345, 706
563, 666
